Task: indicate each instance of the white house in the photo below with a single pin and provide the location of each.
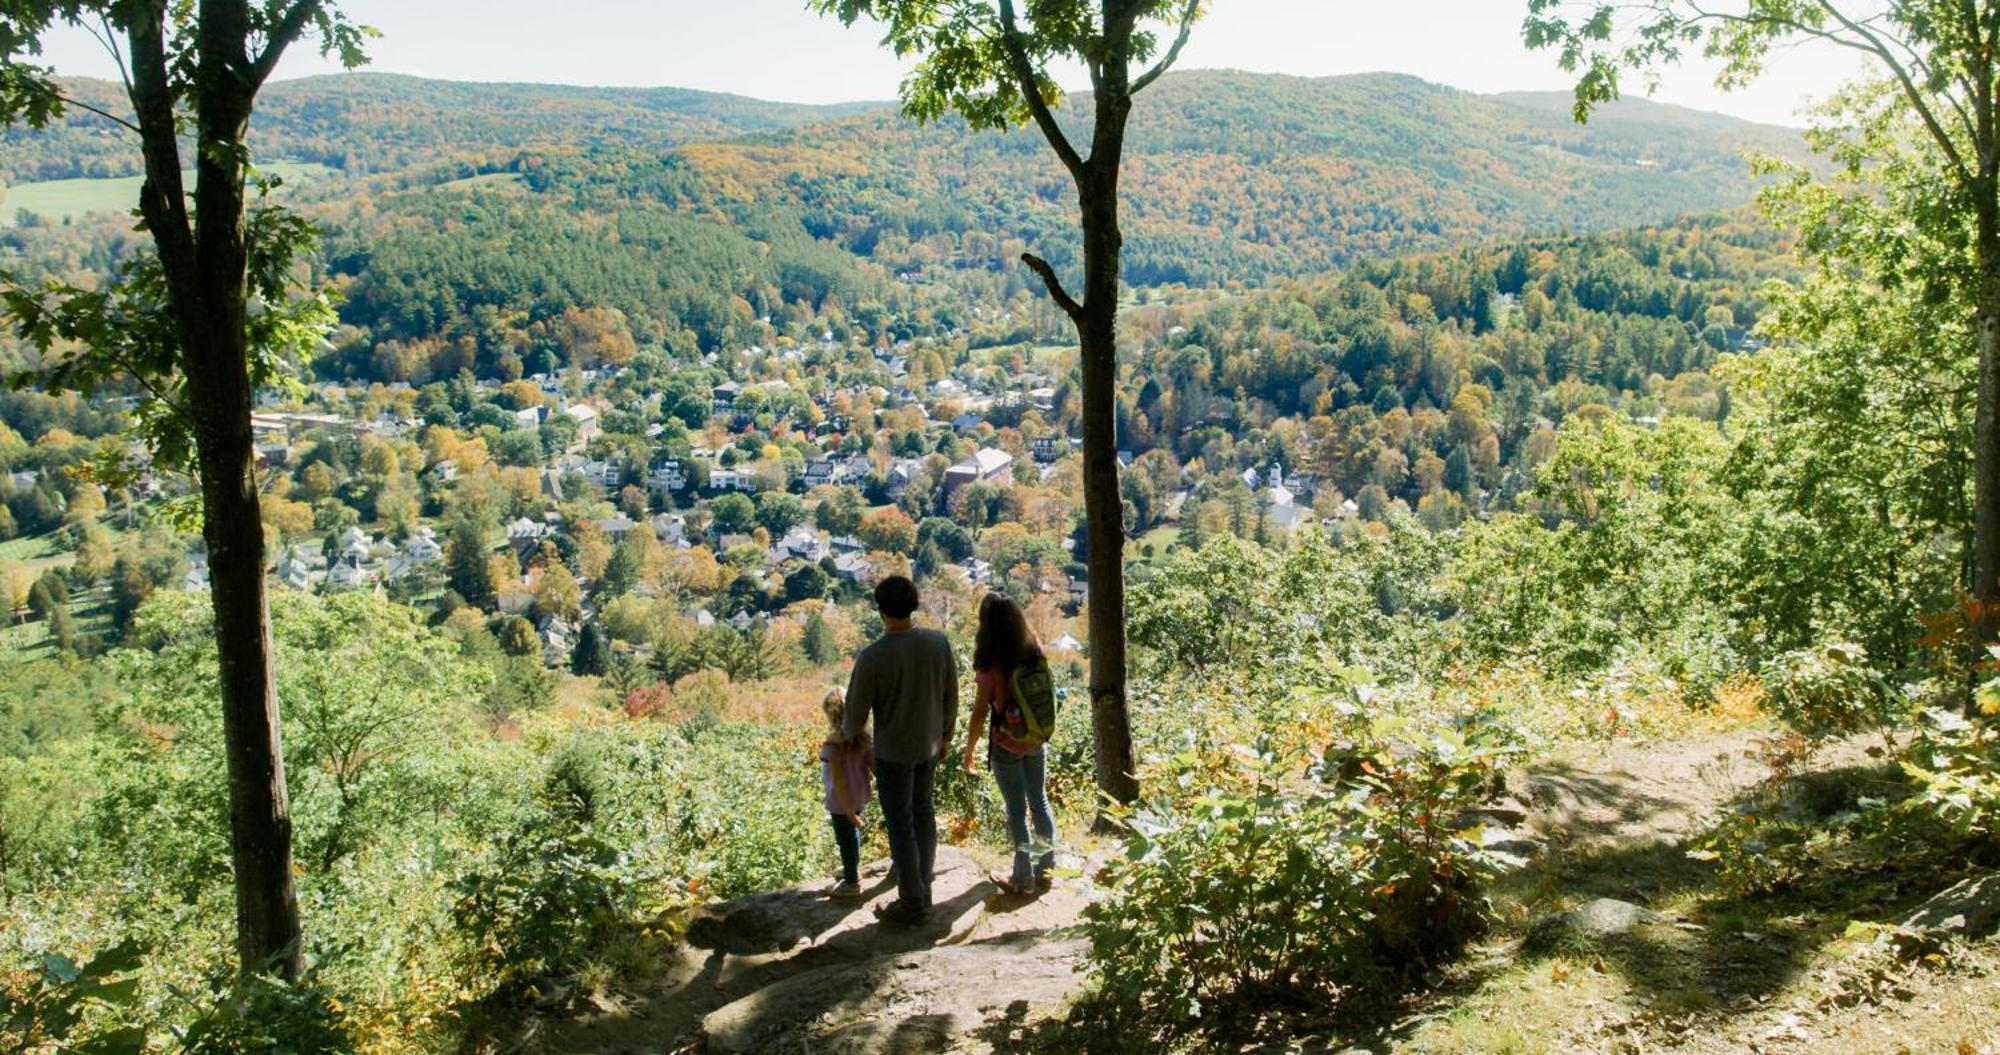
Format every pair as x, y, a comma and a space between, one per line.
423, 547
292, 571
987, 465
588, 425
346, 575
734, 480
852, 567
803, 543
607, 473
819, 471
667, 474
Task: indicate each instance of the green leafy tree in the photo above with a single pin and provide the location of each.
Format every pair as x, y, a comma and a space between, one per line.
558, 593
1851, 428
517, 637
1938, 89
807, 582
952, 541
840, 514
779, 512
201, 322
992, 67
732, 514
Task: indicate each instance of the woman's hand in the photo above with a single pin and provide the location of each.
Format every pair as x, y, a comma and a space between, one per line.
971, 759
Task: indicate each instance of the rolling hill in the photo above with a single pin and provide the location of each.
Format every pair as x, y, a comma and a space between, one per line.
452, 205
1236, 176
368, 122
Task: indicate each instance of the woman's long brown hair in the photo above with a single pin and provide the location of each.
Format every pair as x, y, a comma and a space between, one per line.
1004, 640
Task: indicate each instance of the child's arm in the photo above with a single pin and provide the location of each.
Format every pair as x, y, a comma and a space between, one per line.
981, 703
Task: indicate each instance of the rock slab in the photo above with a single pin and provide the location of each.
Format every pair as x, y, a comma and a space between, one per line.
1969, 908
906, 1003
1591, 921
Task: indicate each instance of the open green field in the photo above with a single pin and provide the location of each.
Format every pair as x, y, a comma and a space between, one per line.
488, 181
58, 200
1161, 540
26, 640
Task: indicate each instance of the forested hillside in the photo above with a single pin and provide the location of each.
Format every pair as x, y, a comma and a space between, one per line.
1244, 177
378, 122
480, 211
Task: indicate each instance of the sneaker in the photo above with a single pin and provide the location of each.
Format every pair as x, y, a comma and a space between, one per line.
1044, 883
845, 890
899, 915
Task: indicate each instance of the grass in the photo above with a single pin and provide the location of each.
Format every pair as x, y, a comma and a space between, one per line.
32, 548
486, 181
56, 201
1162, 539
24, 641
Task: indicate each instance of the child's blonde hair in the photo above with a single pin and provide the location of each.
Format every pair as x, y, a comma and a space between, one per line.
834, 707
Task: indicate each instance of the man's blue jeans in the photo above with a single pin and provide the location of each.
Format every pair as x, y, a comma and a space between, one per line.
909, 819
1023, 781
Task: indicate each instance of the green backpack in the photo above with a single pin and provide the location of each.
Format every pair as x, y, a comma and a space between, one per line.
1032, 717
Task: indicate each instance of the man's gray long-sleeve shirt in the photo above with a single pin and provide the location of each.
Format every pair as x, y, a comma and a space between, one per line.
908, 681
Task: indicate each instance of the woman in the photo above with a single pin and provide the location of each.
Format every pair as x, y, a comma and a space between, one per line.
1004, 643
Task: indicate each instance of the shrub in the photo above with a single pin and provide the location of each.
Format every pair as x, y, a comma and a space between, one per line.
1956, 765
1831, 690
1269, 872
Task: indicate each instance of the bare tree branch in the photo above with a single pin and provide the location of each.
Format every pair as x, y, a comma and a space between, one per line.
1062, 298
70, 100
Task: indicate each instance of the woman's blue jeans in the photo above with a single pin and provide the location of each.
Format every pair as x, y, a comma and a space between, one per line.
1023, 781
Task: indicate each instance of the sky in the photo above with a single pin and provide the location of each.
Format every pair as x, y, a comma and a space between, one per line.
775, 49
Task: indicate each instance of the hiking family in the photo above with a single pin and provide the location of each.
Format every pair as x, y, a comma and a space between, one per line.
906, 683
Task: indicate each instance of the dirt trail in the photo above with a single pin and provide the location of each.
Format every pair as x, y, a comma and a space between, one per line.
790, 971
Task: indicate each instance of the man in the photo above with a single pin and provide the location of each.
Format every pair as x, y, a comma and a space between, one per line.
908, 681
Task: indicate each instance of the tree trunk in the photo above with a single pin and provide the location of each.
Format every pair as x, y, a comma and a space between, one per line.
1985, 585
1097, 332
1104, 514
205, 265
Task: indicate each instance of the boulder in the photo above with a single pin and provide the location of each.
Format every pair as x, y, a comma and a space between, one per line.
1969, 908
1590, 922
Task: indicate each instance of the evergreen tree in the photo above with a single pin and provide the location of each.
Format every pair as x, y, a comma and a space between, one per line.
1190, 537
468, 567
817, 642
62, 630
592, 654
1458, 475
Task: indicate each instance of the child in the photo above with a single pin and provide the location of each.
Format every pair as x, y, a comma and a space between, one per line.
844, 770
